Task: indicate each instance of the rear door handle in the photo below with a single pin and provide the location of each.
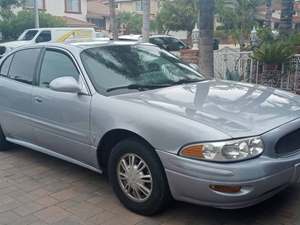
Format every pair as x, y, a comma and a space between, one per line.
38, 99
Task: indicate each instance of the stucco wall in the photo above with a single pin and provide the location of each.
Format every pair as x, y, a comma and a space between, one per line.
57, 8
130, 6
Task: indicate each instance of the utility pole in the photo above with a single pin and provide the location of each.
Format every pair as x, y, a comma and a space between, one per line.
206, 27
146, 20
113, 19
36, 14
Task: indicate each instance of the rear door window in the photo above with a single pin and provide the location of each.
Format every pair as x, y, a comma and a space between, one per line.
23, 65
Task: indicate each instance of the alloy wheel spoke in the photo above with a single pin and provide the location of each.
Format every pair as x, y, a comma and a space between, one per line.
127, 188
146, 178
123, 176
144, 189
124, 165
137, 193
131, 160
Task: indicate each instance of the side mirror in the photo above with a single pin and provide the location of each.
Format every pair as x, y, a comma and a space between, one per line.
65, 84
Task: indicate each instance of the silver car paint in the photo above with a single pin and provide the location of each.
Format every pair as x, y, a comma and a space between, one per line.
70, 126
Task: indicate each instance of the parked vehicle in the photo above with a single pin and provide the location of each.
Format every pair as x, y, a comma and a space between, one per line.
165, 42
101, 36
155, 124
58, 34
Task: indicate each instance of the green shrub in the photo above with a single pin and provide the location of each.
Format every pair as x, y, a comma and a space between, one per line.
276, 52
13, 26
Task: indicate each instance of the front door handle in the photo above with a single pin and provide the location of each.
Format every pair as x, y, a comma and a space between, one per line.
38, 99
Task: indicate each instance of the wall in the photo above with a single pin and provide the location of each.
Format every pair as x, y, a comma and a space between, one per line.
57, 8
130, 6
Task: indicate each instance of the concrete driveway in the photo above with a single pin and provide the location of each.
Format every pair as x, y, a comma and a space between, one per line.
36, 189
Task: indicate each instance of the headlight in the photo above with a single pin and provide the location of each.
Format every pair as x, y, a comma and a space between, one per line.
225, 151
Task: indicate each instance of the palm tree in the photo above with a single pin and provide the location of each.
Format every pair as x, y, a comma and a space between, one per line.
206, 27
269, 12
146, 20
113, 20
286, 20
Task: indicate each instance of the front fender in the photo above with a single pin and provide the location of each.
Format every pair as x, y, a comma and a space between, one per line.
163, 130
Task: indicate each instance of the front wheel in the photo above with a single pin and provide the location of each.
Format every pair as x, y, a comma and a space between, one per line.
138, 178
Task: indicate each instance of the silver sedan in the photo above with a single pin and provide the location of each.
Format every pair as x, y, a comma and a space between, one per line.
157, 127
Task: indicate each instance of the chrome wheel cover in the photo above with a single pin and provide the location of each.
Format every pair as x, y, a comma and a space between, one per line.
134, 177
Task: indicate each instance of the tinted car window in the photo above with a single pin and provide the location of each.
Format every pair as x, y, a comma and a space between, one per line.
56, 64
5, 66
23, 65
44, 36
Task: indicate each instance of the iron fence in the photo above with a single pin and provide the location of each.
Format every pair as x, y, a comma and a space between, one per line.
232, 64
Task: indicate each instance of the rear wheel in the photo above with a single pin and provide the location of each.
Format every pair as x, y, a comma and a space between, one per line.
4, 145
138, 178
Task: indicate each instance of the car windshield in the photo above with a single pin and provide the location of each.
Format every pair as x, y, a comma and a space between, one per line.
168, 43
28, 36
135, 67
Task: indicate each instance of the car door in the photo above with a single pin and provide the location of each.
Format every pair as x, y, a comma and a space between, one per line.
61, 120
16, 84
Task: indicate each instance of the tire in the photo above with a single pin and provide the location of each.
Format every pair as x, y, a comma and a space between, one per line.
4, 145
160, 195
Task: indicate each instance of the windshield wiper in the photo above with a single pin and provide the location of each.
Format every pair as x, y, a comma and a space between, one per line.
186, 81
138, 87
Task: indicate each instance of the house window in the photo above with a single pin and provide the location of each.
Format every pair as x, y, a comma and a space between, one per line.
73, 6
139, 6
30, 4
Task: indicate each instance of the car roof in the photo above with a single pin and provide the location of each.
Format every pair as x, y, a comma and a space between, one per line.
161, 35
81, 45
137, 37
61, 28
133, 37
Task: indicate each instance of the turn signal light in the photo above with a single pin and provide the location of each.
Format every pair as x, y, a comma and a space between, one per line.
226, 189
193, 151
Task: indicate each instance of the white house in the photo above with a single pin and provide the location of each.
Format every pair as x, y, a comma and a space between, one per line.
73, 11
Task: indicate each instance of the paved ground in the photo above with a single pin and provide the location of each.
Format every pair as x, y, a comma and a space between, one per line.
39, 190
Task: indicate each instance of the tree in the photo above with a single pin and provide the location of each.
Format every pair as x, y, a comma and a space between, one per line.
12, 27
177, 15
206, 27
5, 7
113, 19
269, 12
132, 22
238, 17
286, 19
146, 20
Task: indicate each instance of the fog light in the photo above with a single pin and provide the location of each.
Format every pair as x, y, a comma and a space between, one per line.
226, 189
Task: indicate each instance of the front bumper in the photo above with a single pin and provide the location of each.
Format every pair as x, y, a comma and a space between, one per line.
260, 178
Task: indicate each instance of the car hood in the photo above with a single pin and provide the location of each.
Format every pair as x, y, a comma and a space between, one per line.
236, 109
